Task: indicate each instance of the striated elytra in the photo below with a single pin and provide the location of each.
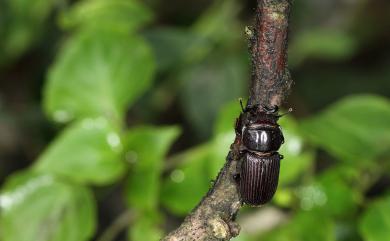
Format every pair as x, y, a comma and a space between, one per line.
259, 178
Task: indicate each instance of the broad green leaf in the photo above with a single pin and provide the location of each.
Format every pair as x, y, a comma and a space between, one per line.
214, 29
224, 135
334, 193
98, 74
321, 44
341, 198
189, 182
218, 26
220, 147
172, 46
145, 228
88, 151
203, 93
204, 90
44, 208
147, 147
122, 15
296, 164
375, 222
227, 118
197, 166
298, 159
354, 129
304, 226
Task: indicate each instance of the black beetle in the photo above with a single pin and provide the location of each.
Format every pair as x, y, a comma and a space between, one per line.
260, 138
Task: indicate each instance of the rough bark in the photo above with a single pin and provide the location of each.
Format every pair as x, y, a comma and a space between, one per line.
214, 217
271, 79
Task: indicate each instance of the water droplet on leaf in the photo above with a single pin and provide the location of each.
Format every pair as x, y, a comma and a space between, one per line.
177, 176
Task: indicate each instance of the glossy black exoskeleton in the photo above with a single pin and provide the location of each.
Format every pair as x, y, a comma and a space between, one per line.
259, 178
260, 139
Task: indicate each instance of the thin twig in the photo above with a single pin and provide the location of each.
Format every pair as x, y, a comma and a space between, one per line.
122, 222
214, 217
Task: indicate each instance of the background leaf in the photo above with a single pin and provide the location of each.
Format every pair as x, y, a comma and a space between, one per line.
344, 128
44, 208
122, 15
375, 222
98, 74
342, 194
145, 228
305, 226
298, 159
323, 44
88, 151
191, 172
171, 46
204, 94
147, 147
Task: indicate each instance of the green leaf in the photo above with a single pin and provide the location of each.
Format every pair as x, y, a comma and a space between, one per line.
145, 228
22, 23
88, 151
147, 147
342, 198
219, 149
224, 135
321, 44
335, 193
227, 118
298, 159
305, 226
218, 26
297, 162
172, 46
44, 208
354, 129
189, 182
98, 74
204, 92
375, 222
121, 15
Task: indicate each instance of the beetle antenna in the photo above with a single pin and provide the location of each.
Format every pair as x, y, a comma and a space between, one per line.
288, 112
242, 105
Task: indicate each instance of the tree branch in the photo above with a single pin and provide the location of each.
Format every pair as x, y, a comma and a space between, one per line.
271, 79
214, 217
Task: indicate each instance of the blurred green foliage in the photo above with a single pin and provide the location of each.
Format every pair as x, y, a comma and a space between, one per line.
113, 76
